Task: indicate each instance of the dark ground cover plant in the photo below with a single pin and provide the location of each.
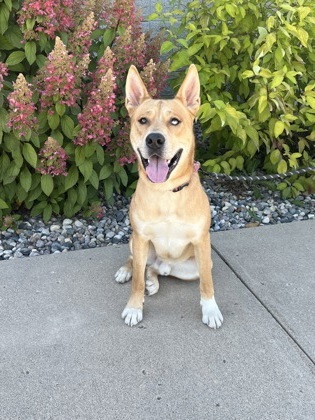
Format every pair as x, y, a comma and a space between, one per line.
63, 125
256, 61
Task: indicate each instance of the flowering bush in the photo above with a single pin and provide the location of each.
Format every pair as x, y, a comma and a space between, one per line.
256, 64
63, 126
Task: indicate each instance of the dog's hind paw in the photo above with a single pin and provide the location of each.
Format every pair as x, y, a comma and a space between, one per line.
132, 316
211, 314
152, 286
123, 274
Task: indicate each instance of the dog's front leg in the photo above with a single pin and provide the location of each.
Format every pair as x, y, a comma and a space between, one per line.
133, 312
211, 314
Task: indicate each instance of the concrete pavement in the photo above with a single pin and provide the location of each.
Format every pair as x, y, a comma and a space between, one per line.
66, 354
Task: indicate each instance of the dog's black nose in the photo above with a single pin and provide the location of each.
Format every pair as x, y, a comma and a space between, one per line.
155, 141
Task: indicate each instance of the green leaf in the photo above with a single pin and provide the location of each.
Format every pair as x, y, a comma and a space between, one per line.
277, 80
60, 109
14, 36
123, 177
40, 60
105, 172
108, 188
29, 154
311, 101
262, 103
47, 213
94, 179
53, 120
15, 58
180, 59
194, 49
100, 154
72, 177
47, 184
275, 156
298, 186
26, 179
30, 51
247, 73
3, 204
278, 129
282, 186
67, 126
79, 155
253, 134
166, 47
282, 167
4, 18
108, 37
239, 162
72, 196
82, 193
302, 36
286, 193
86, 169
159, 7
38, 208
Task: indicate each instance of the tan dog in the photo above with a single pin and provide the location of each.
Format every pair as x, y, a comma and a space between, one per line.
169, 211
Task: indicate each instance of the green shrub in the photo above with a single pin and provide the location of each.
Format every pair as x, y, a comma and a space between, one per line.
256, 62
63, 127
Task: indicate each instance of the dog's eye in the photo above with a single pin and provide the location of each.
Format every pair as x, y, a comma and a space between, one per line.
143, 120
175, 121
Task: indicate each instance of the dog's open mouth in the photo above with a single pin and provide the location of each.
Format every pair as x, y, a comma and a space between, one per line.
158, 169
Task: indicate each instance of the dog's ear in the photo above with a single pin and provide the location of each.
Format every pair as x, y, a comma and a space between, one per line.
189, 92
136, 92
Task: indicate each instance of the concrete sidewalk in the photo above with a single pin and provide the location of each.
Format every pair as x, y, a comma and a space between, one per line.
66, 354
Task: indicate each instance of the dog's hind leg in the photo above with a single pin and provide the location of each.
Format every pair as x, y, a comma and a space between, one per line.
151, 281
124, 274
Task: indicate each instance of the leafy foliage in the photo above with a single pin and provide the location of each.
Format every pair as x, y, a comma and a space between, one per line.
256, 61
63, 126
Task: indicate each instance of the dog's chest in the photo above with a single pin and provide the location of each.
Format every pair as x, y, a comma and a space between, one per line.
171, 240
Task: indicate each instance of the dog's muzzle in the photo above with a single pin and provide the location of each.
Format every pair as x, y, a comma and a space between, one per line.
159, 169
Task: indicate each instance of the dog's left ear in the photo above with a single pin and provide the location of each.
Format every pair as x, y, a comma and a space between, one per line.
136, 92
189, 92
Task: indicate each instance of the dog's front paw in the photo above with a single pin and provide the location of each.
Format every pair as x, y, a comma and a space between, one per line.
211, 314
123, 274
132, 316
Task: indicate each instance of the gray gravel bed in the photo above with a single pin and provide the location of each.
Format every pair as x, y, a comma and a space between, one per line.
230, 209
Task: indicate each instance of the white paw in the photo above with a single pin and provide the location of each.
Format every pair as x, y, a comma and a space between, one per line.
211, 314
152, 286
123, 274
132, 316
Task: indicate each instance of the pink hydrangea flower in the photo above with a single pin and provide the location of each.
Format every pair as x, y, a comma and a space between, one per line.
22, 109
79, 44
122, 13
121, 145
96, 120
50, 16
57, 82
3, 72
53, 159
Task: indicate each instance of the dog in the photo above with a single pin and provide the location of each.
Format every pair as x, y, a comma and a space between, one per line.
169, 211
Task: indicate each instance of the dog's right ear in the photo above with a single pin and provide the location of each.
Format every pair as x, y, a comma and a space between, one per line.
136, 92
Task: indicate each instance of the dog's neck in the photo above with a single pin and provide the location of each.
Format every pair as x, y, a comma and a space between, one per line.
185, 184
180, 187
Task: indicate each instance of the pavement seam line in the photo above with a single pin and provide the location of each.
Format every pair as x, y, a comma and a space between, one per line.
263, 305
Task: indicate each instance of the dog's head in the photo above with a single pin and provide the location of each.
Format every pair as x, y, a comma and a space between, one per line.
162, 130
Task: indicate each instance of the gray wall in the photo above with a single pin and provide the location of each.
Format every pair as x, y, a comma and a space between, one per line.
147, 7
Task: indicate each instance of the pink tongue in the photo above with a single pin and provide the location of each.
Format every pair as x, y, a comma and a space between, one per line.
157, 169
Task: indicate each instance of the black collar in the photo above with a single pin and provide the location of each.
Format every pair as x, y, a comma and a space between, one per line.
180, 187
